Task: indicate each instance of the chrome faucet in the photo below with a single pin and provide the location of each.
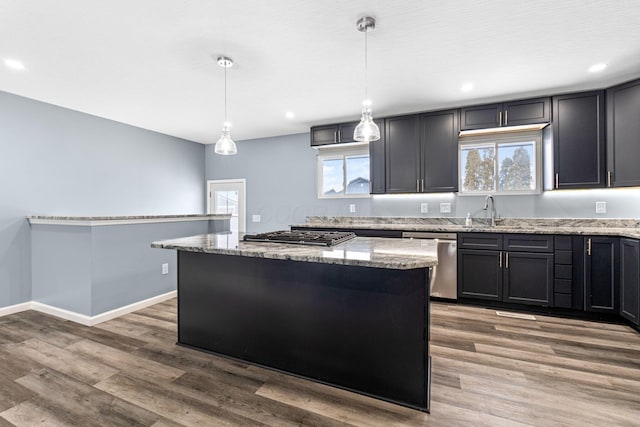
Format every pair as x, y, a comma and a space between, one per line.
493, 209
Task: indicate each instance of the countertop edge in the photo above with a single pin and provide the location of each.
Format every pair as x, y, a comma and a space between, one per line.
90, 221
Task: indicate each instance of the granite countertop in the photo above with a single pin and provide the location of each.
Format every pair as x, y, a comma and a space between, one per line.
610, 227
397, 254
123, 219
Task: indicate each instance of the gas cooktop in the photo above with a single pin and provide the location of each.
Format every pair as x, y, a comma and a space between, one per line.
318, 238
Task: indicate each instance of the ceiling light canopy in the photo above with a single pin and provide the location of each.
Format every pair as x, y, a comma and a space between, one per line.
225, 145
367, 130
14, 64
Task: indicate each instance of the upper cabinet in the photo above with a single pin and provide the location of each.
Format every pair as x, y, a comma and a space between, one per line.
623, 135
377, 168
402, 152
439, 151
579, 140
513, 113
332, 134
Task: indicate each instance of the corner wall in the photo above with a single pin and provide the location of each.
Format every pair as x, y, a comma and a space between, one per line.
58, 161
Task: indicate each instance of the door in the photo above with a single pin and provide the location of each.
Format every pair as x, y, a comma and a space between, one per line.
600, 275
526, 112
439, 148
481, 117
402, 144
630, 280
528, 278
229, 196
480, 274
623, 134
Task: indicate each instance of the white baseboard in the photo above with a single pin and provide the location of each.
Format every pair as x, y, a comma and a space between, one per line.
83, 319
17, 308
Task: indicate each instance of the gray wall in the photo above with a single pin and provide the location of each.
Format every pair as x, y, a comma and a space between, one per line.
58, 161
281, 187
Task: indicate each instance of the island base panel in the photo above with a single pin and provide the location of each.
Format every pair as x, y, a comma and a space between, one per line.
363, 329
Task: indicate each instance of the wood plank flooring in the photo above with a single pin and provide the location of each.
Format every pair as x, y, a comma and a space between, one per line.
487, 371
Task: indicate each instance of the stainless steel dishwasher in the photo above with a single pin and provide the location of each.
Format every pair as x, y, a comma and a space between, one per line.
444, 276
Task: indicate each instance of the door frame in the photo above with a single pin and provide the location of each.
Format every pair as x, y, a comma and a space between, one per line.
242, 199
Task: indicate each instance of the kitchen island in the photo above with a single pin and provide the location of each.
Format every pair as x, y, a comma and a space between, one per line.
354, 315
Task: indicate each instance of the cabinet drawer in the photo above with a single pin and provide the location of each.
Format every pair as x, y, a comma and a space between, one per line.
562, 300
563, 272
480, 241
528, 243
562, 285
563, 257
563, 243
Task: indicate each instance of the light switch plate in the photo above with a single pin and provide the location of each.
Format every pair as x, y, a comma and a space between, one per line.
256, 218
165, 268
352, 208
424, 207
601, 207
445, 207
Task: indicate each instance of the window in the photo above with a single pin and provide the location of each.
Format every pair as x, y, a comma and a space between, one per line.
501, 164
343, 172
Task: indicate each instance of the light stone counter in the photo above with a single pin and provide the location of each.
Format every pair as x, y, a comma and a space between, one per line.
596, 227
397, 254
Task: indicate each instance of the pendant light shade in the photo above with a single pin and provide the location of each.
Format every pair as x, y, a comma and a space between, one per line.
367, 130
225, 145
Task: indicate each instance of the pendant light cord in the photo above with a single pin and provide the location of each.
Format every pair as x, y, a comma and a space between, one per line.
366, 66
225, 94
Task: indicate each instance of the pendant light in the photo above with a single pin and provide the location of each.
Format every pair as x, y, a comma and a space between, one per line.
225, 144
367, 130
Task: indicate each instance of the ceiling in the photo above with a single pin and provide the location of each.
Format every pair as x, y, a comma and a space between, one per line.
151, 63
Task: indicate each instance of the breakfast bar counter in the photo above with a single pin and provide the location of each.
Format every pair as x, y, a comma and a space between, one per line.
354, 315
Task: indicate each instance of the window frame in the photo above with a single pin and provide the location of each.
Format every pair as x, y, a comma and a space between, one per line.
336, 153
496, 140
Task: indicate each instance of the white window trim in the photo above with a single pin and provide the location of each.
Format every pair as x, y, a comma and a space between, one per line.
335, 153
496, 140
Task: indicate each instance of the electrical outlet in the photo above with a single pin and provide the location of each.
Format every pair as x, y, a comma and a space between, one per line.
424, 207
601, 207
352, 208
445, 207
165, 268
256, 218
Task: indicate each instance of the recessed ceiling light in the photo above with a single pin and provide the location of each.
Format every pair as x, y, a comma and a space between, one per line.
14, 64
466, 87
597, 67
289, 115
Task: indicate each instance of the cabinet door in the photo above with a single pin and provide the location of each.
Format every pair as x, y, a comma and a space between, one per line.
578, 140
528, 278
481, 117
480, 274
345, 132
402, 151
377, 169
526, 112
623, 134
630, 280
439, 151
600, 276
324, 135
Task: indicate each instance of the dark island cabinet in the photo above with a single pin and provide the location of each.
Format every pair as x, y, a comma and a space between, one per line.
519, 271
513, 113
601, 274
623, 135
439, 152
579, 140
630, 280
402, 152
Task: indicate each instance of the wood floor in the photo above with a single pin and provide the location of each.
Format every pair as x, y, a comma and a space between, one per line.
487, 371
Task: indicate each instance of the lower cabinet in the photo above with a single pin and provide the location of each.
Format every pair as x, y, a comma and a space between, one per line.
630, 280
522, 276
601, 274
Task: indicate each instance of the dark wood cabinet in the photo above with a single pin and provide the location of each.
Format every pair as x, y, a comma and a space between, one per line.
623, 135
439, 152
513, 113
402, 153
519, 271
630, 280
377, 167
333, 134
579, 140
601, 274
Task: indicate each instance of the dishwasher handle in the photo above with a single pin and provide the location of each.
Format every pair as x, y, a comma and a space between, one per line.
428, 235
